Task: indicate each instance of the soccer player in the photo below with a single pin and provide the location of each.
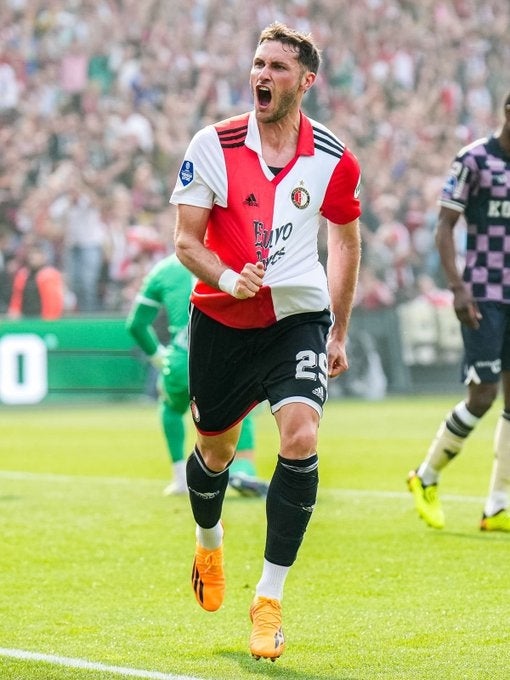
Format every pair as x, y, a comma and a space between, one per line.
267, 323
168, 285
478, 186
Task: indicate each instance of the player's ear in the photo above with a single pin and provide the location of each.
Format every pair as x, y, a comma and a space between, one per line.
308, 80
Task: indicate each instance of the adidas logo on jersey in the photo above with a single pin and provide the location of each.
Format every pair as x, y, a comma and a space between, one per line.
251, 201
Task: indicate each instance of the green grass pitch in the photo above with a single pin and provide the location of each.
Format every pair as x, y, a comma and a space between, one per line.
95, 562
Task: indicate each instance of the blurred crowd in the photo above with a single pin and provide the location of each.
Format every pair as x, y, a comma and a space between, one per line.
99, 99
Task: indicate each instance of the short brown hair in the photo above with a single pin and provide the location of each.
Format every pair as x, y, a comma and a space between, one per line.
308, 53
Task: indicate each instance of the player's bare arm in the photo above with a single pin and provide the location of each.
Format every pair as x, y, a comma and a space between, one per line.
189, 246
344, 252
465, 307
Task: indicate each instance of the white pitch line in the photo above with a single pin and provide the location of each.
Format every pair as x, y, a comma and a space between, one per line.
69, 662
369, 493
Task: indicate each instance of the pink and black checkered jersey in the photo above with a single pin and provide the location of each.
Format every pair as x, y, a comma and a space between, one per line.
478, 185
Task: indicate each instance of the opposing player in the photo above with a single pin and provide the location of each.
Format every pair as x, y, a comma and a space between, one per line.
266, 321
478, 186
168, 285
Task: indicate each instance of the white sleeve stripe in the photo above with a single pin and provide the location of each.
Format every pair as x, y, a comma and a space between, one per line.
141, 299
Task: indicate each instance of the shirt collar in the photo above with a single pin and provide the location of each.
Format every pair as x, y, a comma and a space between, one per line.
305, 145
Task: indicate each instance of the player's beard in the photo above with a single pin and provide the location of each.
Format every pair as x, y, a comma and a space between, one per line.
286, 104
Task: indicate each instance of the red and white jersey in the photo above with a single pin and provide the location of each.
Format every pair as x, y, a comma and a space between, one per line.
259, 217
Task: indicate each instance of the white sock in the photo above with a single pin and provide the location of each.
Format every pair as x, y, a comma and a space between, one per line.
500, 477
179, 470
447, 443
272, 581
210, 539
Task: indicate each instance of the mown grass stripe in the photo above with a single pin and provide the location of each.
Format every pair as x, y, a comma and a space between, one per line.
369, 493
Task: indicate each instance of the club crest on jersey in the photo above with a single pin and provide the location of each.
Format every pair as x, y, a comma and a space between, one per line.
300, 197
186, 173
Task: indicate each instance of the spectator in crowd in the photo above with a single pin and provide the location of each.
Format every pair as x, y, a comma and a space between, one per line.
389, 249
77, 211
38, 287
7, 268
375, 317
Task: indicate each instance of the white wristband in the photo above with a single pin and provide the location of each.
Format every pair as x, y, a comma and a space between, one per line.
228, 282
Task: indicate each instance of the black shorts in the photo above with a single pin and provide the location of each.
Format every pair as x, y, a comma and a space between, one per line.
487, 349
232, 370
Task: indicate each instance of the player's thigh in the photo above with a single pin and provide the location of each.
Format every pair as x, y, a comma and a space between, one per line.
298, 425
222, 373
297, 366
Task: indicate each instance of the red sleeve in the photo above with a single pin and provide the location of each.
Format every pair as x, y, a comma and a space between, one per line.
341, 202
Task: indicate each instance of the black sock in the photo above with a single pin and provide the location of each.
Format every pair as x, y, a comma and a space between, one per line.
206, 490
290, 501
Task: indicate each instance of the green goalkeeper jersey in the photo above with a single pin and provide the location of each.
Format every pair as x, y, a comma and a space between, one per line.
168, 285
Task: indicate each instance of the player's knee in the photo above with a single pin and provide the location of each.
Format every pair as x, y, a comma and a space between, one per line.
215, 457
300, 442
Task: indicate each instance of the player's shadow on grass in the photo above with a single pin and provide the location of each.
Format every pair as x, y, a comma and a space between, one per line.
267, 669
479, 536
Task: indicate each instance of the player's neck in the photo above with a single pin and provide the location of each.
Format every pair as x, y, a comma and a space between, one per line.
279, 141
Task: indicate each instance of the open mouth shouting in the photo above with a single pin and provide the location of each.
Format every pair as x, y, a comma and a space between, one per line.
264, 96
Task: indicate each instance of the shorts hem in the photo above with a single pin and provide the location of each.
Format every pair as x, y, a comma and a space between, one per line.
297, 400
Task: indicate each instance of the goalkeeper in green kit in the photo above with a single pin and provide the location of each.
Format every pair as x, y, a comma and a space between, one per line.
168, 286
